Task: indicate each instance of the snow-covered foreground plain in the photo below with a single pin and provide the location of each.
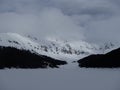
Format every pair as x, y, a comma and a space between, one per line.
60, 79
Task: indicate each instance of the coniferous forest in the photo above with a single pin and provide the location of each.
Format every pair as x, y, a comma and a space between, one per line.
15, 58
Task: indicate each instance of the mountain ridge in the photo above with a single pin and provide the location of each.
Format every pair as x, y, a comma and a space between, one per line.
57, 49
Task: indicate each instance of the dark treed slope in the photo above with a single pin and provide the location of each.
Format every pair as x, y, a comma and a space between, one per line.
15, 58
109, 60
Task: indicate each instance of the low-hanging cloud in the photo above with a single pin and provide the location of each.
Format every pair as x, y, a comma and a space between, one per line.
64, 19
50, 22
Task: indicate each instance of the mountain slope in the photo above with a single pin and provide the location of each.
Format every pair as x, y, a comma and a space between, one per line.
111, 59
17, 41
72, 50
58, 49
18, 58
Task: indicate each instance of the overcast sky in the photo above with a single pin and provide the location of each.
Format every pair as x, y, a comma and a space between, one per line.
90, 20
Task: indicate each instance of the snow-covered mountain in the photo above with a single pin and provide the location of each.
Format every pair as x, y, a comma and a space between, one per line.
58, 49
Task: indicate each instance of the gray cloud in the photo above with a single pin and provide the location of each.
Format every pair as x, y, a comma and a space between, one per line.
66, 19
50, 22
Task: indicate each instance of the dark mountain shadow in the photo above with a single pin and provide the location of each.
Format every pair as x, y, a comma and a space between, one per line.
109, 60
15, 58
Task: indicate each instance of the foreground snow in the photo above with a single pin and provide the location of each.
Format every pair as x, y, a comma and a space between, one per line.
60, 79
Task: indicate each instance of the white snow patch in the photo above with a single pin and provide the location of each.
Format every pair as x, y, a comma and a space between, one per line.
60, 79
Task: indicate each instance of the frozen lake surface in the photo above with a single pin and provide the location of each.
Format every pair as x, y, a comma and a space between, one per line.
60, 79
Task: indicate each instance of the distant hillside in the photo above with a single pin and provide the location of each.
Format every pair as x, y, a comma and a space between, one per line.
17, 58
109, 60
57, 49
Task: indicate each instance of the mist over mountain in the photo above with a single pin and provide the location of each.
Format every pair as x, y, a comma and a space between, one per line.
94, 21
